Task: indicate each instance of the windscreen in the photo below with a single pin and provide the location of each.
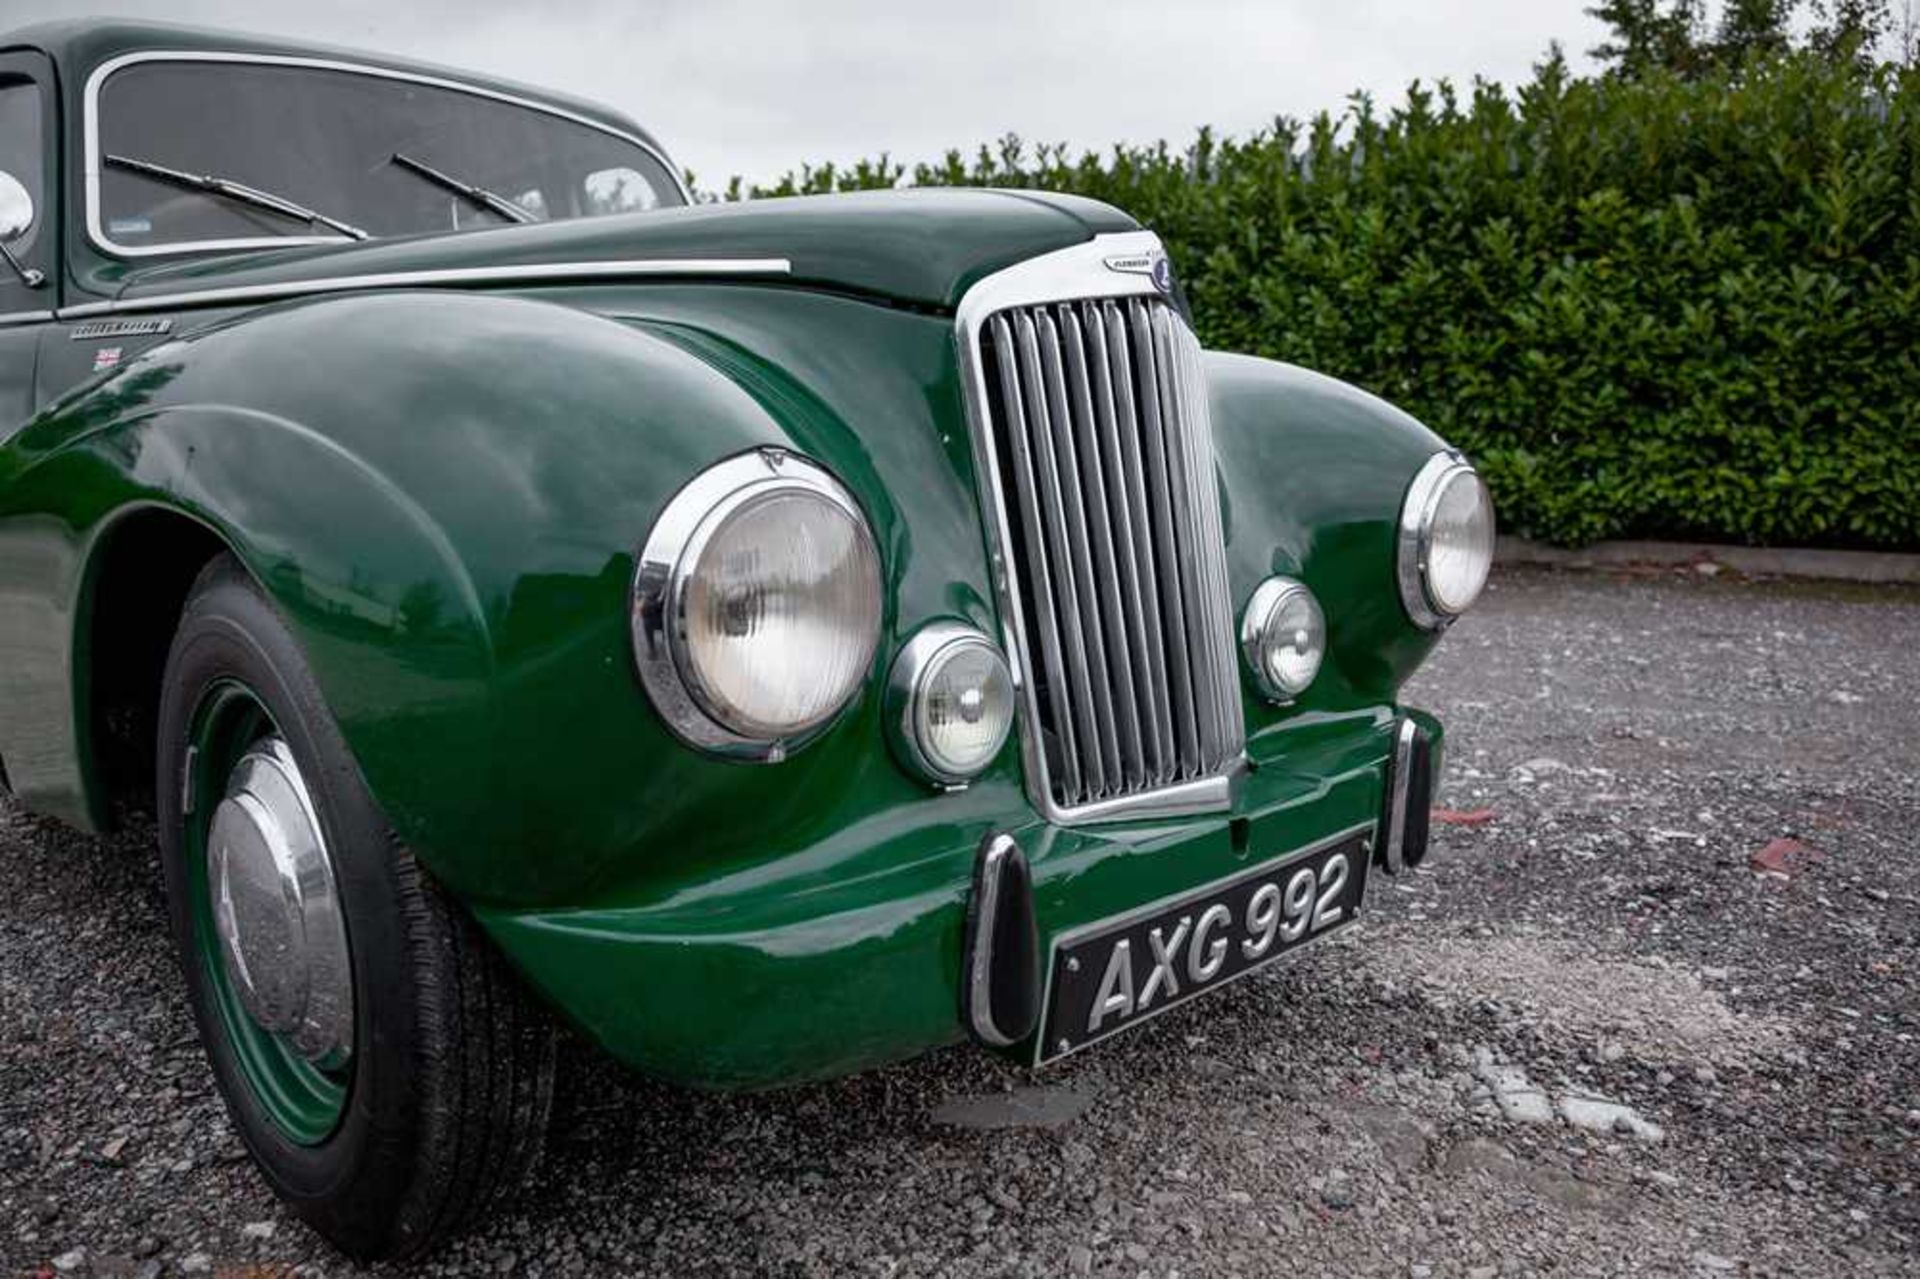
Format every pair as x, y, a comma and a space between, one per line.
326, 139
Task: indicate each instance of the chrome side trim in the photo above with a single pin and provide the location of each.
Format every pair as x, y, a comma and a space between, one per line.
1079, 568
449, 277
90, 114
1393, 847
24, 317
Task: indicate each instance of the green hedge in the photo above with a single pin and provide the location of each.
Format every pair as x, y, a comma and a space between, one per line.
1647, 308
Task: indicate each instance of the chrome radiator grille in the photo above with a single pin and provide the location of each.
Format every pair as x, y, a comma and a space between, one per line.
1097, 416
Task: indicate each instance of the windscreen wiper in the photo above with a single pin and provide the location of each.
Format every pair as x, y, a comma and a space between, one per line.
488, 200
215, 185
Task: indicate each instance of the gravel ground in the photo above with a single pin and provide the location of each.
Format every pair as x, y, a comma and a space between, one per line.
1395, 1102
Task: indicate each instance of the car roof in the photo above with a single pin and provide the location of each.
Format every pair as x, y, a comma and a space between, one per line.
78, 45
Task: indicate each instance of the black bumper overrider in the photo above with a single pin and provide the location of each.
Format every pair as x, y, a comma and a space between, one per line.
1409, 800
1000, 989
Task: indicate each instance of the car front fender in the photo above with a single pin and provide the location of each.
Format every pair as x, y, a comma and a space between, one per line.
442, 493
1313, 474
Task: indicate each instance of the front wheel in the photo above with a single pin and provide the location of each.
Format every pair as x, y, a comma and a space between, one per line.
384, 1068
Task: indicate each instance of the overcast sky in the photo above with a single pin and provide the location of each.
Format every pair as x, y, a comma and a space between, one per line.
755, 88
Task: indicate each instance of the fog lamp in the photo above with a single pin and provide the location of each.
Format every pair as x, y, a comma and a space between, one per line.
949, 703
1283, 635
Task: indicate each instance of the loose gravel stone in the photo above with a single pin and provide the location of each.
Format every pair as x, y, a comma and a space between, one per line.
1631, 739
1515, 1094
1597, 1114
1017, 1108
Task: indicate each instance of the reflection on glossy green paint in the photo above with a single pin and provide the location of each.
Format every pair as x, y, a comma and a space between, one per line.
443, 493
826, 974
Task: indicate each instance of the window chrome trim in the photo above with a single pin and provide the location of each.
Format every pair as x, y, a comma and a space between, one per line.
659, 590
536, 273
1416, 534
90, 122
10, 318
1107, 266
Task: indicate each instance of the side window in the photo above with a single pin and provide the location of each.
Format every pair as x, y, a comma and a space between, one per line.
20, 150
619, 190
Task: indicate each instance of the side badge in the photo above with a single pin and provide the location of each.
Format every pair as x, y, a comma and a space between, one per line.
1155, 265
105, 358
96, 329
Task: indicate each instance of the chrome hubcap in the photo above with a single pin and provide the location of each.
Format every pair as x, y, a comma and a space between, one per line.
276, 907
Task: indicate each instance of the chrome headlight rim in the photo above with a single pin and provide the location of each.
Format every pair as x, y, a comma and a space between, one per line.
691, 518
930, 648
1415, 539
1265, 604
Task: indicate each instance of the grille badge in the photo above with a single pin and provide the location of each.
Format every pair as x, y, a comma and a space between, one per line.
1155, 265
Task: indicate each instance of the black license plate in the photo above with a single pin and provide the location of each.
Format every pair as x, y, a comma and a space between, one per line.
1118, 973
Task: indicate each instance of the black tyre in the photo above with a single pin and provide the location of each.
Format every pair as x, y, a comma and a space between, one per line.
383, 1066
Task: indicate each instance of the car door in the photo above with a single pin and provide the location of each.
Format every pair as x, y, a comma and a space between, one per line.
28, 129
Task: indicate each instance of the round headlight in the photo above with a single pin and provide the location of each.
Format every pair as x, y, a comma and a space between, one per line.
1446, 540
949, 703
756, 605
1283, 635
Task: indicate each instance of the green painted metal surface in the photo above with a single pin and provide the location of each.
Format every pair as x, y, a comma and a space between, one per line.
920, 247
451, 529
443, 492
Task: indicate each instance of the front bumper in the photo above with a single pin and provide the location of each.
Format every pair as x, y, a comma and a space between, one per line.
773, 976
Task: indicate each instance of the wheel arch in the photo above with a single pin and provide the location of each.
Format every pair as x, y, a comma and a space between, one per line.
441, 494
338, 547
139, 577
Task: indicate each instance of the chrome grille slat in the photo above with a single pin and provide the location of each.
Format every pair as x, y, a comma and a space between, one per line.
1100, 437
1141, 698
1041, 402
1051, 647
1153, 446
1127, 428
1210, 529
1103, 761
1126, 768
1186, 480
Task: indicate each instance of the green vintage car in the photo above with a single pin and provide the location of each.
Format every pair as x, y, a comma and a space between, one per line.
512, 587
